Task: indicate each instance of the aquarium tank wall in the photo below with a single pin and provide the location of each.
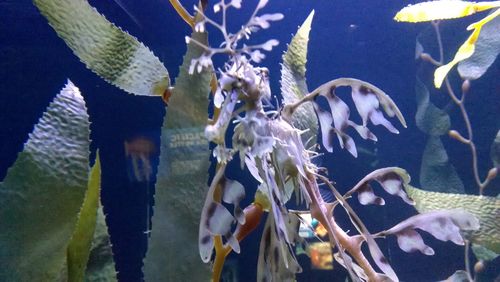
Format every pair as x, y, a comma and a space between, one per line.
247, 140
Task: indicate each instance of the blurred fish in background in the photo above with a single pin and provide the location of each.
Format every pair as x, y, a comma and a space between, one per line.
139, 152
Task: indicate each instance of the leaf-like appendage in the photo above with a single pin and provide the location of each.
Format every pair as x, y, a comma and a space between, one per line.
271, 266
293, 78
366, 196
232, 193
392, 179
79, 247
444, 225
486, 209
43, 191
110, 52
215, 220
367, 99
487, 49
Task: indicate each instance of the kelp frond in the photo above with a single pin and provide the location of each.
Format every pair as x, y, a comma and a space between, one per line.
450, 9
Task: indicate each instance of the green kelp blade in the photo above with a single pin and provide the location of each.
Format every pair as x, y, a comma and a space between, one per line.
495, 150
79, 247
110, 52
43, 191
181, 183
436, 172
188, 106
485, 53
486, 209
483, 253
293, 79
429, 118
101, 266
458, 276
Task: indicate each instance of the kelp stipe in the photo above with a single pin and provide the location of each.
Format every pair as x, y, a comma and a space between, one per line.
444, 185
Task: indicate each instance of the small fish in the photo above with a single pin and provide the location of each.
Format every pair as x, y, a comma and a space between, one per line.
139, 152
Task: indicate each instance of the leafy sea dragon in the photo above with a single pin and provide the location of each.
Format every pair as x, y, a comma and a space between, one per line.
271, 148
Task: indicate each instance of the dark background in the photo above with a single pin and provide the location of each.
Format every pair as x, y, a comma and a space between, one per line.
349, 38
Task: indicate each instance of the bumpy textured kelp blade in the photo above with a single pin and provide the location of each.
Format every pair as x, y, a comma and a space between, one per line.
79, 246
487, 49
42, 193
486, 209
110, 52
442, 10
101, 266
182, 180
293, 78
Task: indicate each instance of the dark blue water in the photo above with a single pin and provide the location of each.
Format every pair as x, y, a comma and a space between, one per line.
348, 39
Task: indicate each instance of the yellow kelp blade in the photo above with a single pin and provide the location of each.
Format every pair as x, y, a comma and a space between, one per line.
110, 52
78, 250
442, 10
465, 51
485, 54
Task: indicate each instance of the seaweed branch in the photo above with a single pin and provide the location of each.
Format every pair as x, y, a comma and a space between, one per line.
183, 13
459, 101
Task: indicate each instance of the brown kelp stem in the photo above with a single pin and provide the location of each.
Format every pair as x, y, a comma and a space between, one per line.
182, 12
467, 263
460, 102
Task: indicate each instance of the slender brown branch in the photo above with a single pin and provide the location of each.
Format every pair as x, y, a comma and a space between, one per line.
467, 263
460, 102
183, 13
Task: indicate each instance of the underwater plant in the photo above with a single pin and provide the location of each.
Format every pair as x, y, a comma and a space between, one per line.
52, 224
272, 145
444, 185
449, 9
